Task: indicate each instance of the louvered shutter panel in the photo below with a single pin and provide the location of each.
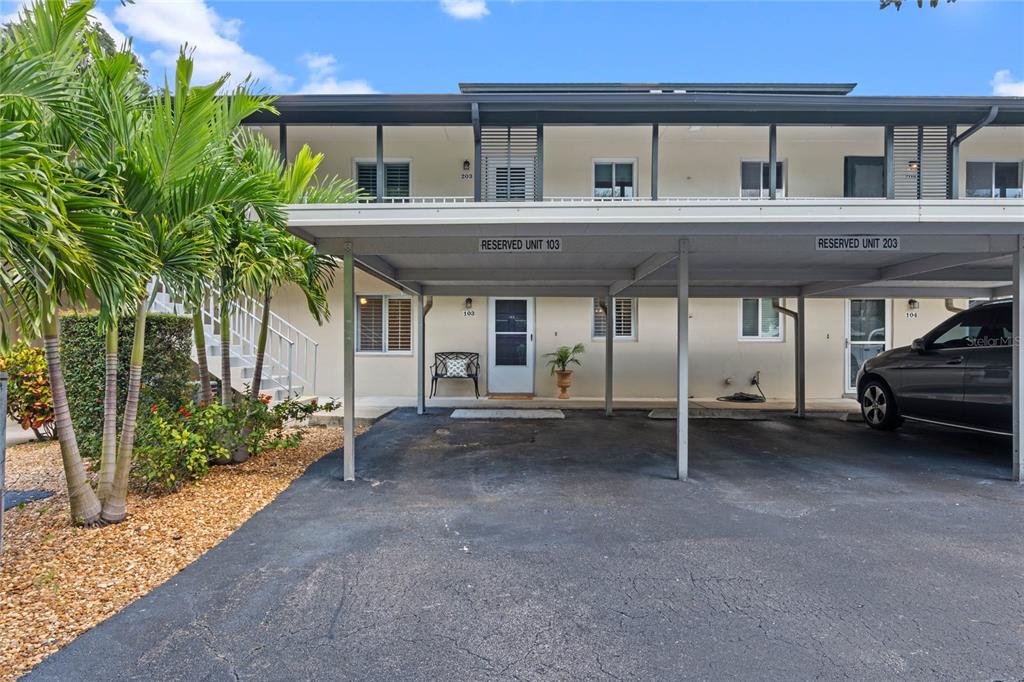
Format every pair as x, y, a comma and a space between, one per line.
509, 158
920, 162
624, 317
366, 178
399, 324
600, 320
371, 324
396, 180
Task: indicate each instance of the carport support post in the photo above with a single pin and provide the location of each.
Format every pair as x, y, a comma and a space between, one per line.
1018, 358
801, 359
349, 399
609, 346
683, 362
421, 355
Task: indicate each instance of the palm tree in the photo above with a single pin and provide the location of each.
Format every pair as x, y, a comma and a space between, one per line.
64, 233
178, 178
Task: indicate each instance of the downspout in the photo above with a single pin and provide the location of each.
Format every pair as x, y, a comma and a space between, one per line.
954, 150
952, 307
799, 398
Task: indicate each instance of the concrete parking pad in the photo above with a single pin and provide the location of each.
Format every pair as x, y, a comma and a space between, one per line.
564, 550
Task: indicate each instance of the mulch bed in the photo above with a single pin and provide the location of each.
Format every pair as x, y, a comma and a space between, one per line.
57, 581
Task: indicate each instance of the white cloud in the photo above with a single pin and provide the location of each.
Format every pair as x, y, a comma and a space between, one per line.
1004, 85
323, 81
169, 25
96, 14
466, 9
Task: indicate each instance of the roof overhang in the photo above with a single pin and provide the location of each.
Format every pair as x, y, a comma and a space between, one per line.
637, 109
960, 248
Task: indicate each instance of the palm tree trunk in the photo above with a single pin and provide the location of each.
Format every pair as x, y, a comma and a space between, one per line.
261, 345
225, 350
108, 458
115, 508
85, 506
204, 367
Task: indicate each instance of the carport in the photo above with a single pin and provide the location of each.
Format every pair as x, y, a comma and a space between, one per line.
680, 249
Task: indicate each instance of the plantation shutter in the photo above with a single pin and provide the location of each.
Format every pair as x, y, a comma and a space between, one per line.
399, 324
600, 320
624, 317
371, 324
920, 162
396, 179
509, 157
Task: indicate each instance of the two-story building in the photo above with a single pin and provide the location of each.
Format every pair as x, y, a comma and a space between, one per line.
806, 228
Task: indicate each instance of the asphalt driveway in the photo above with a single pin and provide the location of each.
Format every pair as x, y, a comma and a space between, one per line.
563, 550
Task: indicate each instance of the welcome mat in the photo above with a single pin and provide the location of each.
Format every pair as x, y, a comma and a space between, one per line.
507, 414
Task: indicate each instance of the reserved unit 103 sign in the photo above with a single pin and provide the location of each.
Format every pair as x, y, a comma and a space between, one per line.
520, 244
857, 243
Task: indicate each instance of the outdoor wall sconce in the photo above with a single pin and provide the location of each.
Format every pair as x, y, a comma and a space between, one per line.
469, 304
465, 165
913, 304
362, 300
913, 165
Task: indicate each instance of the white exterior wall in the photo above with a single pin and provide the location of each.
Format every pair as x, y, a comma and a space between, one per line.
694, 162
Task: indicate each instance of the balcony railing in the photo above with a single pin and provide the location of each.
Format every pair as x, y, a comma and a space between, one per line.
617, 200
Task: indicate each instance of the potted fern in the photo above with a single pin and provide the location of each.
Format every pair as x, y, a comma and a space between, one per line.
559, 364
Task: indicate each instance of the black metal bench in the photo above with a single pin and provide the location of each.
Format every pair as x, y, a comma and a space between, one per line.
455, 365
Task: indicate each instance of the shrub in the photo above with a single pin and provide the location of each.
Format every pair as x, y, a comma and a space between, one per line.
166, 369
29, 401
174, 446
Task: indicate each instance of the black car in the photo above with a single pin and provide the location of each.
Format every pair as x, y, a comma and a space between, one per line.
958, 374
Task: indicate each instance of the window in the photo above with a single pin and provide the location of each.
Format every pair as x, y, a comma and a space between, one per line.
383, 324
962, 331
994, 179
614, 180
754, 178
396, 178
864, 176
759, 321
625, 318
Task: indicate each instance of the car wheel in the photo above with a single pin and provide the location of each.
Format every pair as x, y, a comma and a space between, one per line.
878, 406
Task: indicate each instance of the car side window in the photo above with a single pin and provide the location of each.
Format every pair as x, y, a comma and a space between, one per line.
963, 332
997, 331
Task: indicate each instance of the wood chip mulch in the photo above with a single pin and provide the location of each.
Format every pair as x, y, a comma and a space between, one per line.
57, 581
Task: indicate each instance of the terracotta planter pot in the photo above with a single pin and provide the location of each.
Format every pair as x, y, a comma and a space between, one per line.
563, 382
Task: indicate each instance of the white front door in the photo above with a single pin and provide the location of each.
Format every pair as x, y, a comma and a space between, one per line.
510, 345
868, 333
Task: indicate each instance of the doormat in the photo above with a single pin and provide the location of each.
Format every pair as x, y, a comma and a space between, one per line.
510, 396
507, 414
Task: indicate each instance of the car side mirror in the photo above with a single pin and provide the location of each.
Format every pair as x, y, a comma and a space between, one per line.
917, 345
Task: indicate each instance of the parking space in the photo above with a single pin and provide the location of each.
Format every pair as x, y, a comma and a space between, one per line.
566, 549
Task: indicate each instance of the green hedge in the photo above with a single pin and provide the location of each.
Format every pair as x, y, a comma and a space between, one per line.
166, 369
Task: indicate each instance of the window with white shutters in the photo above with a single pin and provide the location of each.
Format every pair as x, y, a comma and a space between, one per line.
624, 319
759, 320
384, 324
396, 178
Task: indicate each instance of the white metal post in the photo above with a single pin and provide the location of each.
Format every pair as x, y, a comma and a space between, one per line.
683, 362
349, 400
421, 355
1018, 358
801, 359
609, 351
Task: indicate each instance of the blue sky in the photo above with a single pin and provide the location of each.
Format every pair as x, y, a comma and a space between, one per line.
971, 47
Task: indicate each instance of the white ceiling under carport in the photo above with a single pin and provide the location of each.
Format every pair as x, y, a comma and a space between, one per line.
735, 248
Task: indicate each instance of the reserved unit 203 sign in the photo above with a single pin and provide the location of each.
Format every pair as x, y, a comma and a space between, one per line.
520, 244
857, 243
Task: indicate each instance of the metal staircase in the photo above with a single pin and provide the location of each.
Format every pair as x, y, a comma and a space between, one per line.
290, 360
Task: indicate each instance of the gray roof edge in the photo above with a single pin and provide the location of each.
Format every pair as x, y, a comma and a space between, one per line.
570, 87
